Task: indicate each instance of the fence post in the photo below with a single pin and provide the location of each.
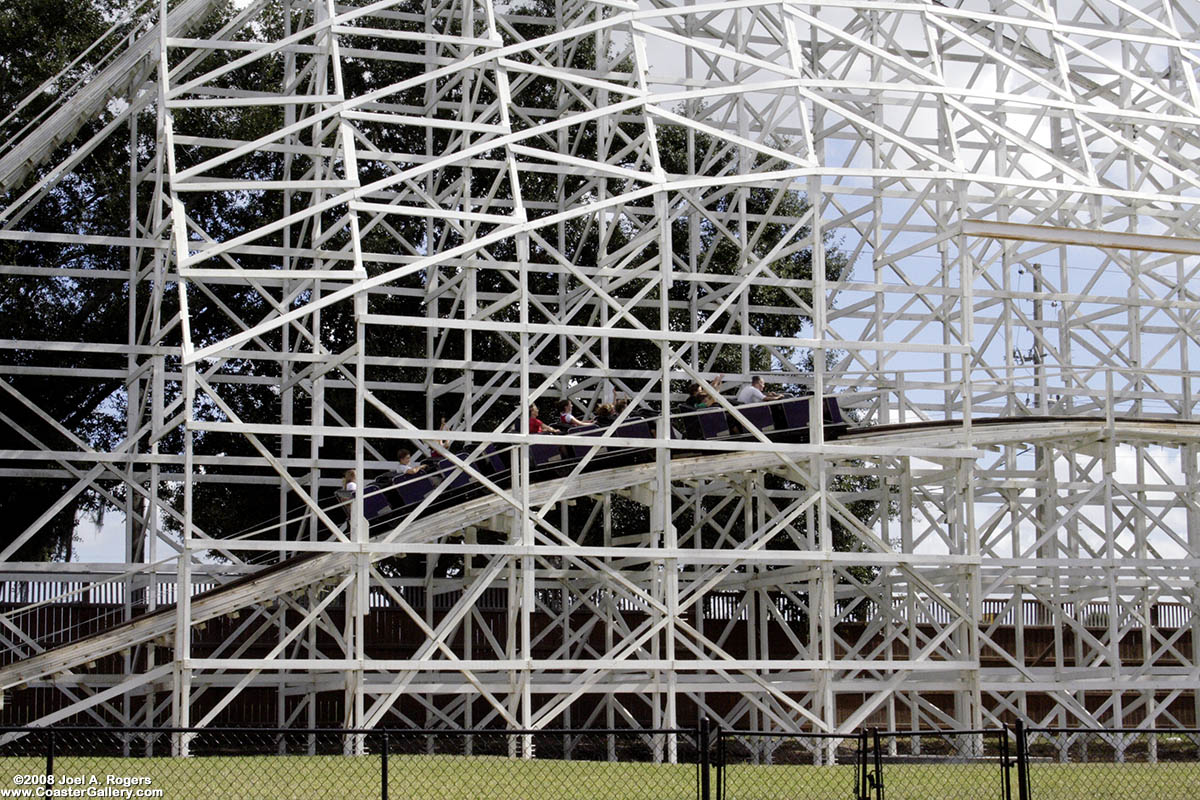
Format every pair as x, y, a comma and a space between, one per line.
878, 764
702, 743
383, 789
721, 762
1022, 762
50, 753
860, 789
1005, 765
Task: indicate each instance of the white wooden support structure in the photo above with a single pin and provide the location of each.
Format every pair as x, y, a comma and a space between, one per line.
973, 224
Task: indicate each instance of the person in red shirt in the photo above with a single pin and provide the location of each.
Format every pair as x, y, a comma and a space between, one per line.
535, 424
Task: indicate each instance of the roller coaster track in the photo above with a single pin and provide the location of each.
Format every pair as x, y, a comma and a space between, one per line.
112, 81
932, 439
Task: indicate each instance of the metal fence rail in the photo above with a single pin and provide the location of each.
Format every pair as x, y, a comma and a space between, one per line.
1009, 763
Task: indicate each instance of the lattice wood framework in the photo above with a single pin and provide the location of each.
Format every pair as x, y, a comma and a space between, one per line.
936, 211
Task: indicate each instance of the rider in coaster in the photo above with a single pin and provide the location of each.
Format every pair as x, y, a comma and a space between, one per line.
535, 424
605, 414
407, 467
700, 398
752, 392
567, 419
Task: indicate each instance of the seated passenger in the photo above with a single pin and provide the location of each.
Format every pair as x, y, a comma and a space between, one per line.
605, 414
567, 419
407, 467
620, 404
700, 398
345, 496
752, 392
535, 424
442, 426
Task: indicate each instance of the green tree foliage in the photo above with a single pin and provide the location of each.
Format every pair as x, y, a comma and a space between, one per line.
38, 41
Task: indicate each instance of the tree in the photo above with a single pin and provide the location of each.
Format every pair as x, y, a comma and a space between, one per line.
38, 40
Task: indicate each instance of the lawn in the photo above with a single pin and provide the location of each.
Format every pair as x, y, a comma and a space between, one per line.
301, 777
417, 777
1162, 781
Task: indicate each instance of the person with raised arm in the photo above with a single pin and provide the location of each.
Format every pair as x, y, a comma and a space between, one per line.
700, 398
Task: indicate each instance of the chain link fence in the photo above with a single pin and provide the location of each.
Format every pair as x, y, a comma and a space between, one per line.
686, 764
1078, 764
225, 763
945, 765
177, 764
590, 765
754, 765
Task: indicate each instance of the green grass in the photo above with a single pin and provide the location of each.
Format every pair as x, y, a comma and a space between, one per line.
1162, 781
416, 777
297, 777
